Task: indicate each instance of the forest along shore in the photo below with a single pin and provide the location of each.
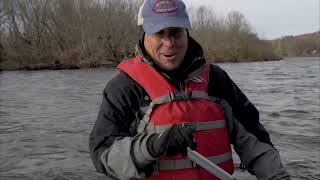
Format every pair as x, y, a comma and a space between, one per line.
81, 33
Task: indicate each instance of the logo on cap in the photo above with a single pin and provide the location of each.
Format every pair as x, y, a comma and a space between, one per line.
164, 6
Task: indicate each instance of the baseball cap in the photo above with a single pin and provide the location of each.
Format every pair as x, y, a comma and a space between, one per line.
156, 15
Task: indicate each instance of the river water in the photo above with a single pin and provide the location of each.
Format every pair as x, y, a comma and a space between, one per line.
46, 117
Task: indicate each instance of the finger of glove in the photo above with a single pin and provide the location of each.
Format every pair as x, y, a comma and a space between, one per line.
165, 135
181, 145
163, 140
183, 140
194, 145
187, 135
172, 149
168, 142
175, 140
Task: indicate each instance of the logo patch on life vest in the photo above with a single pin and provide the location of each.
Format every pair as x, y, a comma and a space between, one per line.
164, 6
198, 79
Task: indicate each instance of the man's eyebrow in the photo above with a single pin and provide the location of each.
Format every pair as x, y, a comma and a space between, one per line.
177, 30
173, 30
160, 32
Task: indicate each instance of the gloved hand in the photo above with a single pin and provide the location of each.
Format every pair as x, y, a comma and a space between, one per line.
172, 141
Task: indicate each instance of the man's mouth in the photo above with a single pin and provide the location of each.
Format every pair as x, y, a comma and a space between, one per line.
169, 55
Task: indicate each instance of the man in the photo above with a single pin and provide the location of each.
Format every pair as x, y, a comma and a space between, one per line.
167, 99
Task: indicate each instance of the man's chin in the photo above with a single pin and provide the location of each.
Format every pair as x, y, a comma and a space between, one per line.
170, 66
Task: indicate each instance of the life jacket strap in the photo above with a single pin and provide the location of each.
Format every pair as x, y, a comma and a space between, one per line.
173, 96
198, 126
187, 163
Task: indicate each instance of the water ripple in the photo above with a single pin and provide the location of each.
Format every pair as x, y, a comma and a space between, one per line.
46, 117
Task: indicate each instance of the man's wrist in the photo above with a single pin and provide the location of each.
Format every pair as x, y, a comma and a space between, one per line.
141, 154
150, 146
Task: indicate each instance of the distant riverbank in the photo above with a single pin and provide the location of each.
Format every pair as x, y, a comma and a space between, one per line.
302, 58
56, 65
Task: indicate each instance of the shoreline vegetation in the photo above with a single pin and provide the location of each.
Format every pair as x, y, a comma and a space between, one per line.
73, 34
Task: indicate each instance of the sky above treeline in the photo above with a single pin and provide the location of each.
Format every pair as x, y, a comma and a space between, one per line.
271, 18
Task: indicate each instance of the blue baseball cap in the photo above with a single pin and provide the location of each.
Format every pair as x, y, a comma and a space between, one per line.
156, 15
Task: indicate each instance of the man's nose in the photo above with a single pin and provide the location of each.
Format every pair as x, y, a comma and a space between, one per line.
168, 41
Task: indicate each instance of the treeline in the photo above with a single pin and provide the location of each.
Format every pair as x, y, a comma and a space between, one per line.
66, 33
229, 38
306, 45
54, 34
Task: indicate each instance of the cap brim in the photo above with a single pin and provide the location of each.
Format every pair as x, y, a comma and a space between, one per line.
152, 26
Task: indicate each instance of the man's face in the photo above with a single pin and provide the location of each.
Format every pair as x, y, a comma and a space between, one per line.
167, 47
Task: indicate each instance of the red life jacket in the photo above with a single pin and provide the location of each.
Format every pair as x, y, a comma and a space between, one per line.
170, 106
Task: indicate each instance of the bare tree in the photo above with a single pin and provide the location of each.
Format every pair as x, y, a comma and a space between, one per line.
67, 33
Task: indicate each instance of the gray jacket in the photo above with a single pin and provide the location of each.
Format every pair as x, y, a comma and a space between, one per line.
119, 152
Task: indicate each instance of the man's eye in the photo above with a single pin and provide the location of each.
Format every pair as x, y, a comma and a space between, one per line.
160, 33
177, 34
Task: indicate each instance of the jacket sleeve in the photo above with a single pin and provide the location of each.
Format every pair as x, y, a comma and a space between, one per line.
254, 148
259, 158
221, 86
115, 148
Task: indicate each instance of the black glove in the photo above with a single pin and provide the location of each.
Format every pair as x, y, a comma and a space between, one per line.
172, 141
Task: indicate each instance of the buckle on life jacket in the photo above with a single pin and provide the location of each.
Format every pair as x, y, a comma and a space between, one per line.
180, 95
194, 165
242, 167
193, 125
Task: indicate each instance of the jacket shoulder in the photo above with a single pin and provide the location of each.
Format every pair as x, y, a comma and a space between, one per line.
125, 90
219, 82
217, 71
120, 80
